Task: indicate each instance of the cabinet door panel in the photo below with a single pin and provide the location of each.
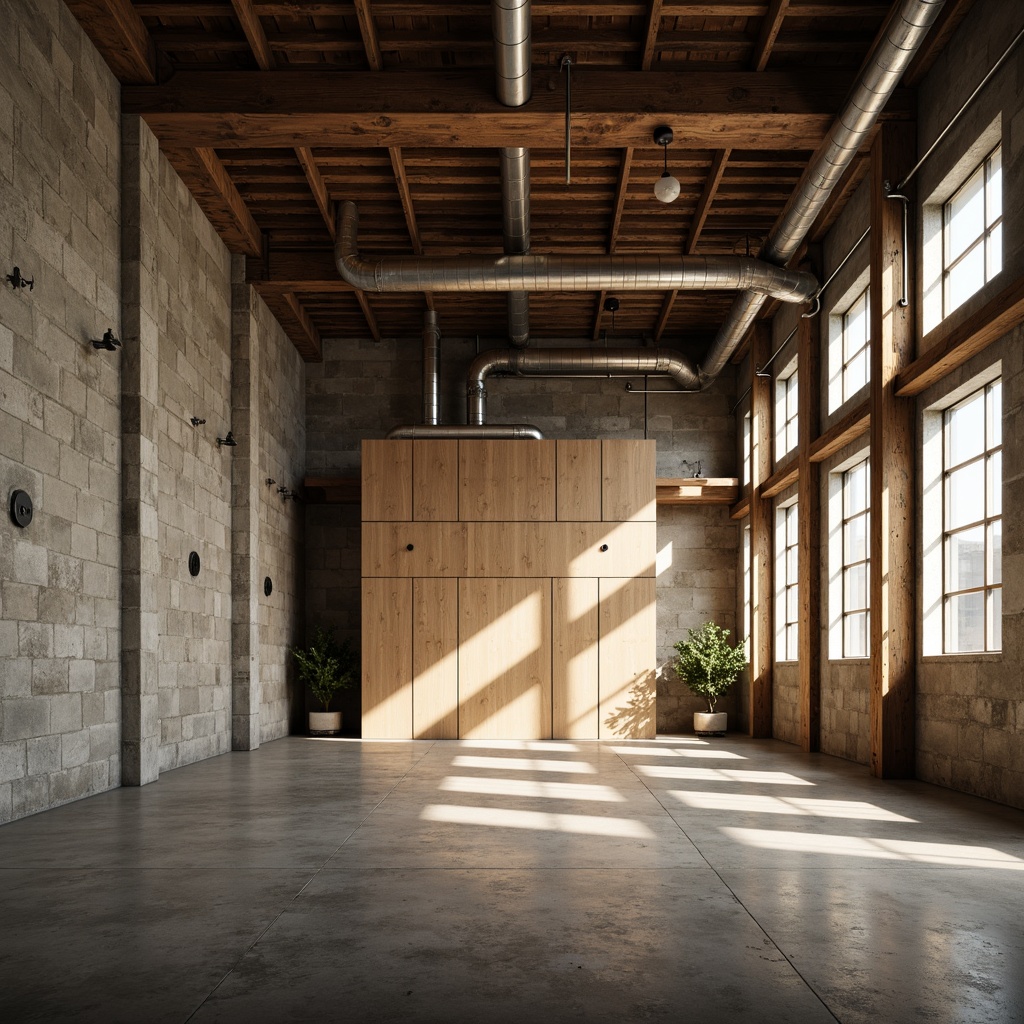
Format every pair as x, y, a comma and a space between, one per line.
561, 549
438, 549
578, 480
387, 480
505, 658
435, 480
387, 659
435, 659
574, 659
628, 488
627, 659
510, 481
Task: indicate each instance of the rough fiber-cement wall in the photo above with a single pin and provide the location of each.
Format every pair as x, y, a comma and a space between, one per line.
59, 414
363, 389
283, 457
194, 506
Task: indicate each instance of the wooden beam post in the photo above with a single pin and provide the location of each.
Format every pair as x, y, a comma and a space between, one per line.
762, 532
118, 31
893, 636
809, 530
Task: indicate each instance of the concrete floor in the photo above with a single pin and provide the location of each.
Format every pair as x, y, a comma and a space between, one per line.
675, 880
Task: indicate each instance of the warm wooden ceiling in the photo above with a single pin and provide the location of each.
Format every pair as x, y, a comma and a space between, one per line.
274, 111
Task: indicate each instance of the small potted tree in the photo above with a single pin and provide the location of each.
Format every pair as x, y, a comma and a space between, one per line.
709, 666
326, 667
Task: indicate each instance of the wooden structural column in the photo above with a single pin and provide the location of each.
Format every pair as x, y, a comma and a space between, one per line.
892, 574
809, 529
762, 555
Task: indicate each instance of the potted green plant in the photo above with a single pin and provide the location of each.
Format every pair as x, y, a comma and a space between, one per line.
326, 667
709, 666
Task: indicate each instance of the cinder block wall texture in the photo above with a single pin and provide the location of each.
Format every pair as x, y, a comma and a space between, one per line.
59, 413
97, 687
363, 389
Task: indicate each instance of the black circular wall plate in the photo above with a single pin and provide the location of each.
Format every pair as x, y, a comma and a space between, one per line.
268, 586
193, 563
21, 508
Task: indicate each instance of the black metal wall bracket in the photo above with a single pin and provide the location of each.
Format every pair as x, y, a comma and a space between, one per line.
15, 280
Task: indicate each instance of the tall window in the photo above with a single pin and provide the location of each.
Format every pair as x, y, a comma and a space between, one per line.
748, 441
856, 337
855, 561
972, 230
747, 589
787, 596
785, 415
972, 522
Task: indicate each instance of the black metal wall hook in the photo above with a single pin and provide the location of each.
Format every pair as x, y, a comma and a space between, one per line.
110, 342
15, 280
196, 421
227, 442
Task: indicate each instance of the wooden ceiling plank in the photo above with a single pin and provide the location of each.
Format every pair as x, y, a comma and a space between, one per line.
595, 334
666, 312
253, 29
771, 25
116, 28
651, 36
368, 31
714, 179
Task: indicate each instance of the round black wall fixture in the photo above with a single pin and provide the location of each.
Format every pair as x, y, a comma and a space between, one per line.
268, 586
193, 563
21, 508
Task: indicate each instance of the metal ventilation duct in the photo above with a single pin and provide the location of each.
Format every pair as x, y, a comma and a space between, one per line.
902, 35
457, 432
574, 362
560, 273
431, 369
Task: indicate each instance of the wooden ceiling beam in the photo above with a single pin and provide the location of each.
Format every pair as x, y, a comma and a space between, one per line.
303, 332
253, 29
651, 36
621, 190
116, 28
371, 320
771, 25
211, 185
666, 312
700, 215
317, 186
368, 31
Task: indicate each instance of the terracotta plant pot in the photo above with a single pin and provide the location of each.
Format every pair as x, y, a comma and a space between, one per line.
707, 724
324, 723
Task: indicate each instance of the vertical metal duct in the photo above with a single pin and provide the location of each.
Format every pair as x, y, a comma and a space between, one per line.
511, 27
903, 33
431, 369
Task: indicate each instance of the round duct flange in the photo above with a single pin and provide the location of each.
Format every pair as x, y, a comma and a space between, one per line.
194, 564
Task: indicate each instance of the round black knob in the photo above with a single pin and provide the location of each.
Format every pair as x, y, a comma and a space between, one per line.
604, 547
408, 547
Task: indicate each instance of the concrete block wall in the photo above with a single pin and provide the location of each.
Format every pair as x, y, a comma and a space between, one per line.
282, 523
363, 389
194, 506
59, 413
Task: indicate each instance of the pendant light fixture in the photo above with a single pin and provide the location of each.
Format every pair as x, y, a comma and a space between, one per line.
666, 188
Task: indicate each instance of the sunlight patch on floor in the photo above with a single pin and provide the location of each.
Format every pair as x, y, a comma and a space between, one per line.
501, 817
672, 771
803, 806
718, 755
531, 788
524, 764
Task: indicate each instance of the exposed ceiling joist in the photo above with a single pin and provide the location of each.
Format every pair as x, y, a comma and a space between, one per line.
253, 29
369, 34
651, 36
116, 27
700, 215
771, 25
297, 319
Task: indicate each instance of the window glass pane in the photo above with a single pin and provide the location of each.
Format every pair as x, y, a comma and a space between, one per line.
791, 565
995, 619
791, 526
855, 635
965, 559
965, 495
995, 552
965, 216
792, 643
855, 587
965, 622
855, 540
856, 374
966, 430
855, 326
857, 489
994, 252
791, 398
995, 484
995, 414
965, 278
994, 198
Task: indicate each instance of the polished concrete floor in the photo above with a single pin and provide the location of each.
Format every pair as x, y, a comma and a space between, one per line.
669, 880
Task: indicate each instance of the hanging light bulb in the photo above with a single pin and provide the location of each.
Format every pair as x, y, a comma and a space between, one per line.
666, 188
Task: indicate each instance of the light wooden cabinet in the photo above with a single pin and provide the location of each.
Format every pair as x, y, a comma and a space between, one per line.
508, 589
